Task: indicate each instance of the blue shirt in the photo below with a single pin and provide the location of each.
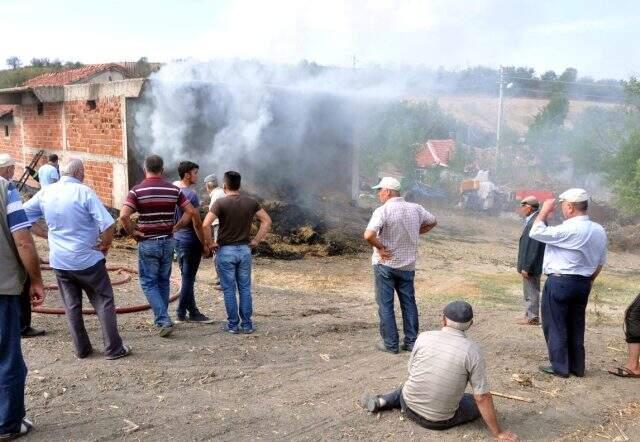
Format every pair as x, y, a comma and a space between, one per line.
575, 247
75, 217
48, 175
16, 218
187, 235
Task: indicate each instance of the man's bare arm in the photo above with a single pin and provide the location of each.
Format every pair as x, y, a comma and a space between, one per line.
40, 229
372, 238
488, 412
424, 228
29, 257
125, 220
265, 226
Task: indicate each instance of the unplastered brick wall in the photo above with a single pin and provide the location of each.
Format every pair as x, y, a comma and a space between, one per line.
99, 176
11, 144
42, 130
94, 126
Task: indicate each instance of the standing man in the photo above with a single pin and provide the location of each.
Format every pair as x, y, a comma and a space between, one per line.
7, 169
530, 255
189, 247
49, 173
80, 232
215, 192
156, 200
440, 366
17, 254
236, 213
394, 232
575, 253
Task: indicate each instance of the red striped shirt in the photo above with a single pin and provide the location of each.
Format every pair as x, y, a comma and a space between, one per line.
155, 199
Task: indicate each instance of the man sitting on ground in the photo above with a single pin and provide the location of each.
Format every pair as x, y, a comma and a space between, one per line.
631, 369
441, 364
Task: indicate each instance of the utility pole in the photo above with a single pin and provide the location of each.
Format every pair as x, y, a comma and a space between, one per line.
499, 127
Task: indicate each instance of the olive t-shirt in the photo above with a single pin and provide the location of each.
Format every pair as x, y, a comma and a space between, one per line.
236, 214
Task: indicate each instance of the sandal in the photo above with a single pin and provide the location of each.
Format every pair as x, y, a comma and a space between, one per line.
25, 428
623, 372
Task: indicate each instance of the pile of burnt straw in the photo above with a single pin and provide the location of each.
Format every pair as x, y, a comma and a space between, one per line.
325, 230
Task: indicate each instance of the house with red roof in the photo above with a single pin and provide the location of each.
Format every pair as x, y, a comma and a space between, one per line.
435, 153
77, 112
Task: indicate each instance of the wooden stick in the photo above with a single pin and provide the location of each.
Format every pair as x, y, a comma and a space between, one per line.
624, 436
509, 396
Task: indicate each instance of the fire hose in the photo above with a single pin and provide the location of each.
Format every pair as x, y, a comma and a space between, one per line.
89, 311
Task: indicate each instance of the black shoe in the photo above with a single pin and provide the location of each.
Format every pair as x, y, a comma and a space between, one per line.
181, 318
380, 346
85, 354
199, 317
32, 332
370, 402
548, 369
126, 351
165, 331
233, 331
25, 428
406, 347
248, 331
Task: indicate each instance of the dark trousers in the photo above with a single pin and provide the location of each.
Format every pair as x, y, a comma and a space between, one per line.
189, 257
467, 411
632, 322
25, 307
13, 371
387, 281
96, 284
564, 301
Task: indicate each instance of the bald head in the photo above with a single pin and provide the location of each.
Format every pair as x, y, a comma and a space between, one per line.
74, 168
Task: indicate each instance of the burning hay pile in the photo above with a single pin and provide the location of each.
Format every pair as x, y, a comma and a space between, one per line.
327, 230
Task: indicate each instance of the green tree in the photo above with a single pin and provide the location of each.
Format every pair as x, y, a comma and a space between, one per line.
14, 62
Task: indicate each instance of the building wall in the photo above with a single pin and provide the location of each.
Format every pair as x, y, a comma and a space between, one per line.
42, 131
98, 131
11, 144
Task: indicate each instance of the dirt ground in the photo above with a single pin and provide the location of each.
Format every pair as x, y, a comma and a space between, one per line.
300, 376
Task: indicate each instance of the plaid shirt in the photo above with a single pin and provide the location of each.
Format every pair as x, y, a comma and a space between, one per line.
397, 224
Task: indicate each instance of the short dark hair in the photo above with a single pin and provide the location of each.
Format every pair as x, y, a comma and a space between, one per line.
53, 158
581, 206
154, 164
186, 166
232, 180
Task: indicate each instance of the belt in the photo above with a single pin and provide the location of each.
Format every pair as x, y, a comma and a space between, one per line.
568, 275
158, 238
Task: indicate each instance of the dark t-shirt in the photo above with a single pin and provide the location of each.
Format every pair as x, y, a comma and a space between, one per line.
236, 214
187, 235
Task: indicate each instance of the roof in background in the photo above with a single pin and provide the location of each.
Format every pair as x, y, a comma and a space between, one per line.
6, 109
63, 78
435, 152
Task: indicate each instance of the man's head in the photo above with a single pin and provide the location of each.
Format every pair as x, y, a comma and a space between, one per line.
528, 205
387, 188
154, 165
574, 202
232, 180
210, 182
73, 167
53, 159
458, 315
7, 166
188, 172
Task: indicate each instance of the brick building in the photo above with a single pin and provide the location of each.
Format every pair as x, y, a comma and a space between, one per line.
80, 113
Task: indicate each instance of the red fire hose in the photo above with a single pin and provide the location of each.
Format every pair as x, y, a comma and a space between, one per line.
89, 311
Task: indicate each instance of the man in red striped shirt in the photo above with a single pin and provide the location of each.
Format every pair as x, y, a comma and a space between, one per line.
156, 199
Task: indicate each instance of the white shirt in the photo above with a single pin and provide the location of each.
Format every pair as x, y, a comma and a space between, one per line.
216, 194
48, 175
575, 247
397, 224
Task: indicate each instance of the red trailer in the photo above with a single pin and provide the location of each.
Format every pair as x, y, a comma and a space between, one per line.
540, 194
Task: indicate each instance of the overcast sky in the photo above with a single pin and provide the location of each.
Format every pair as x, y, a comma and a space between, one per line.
598, 39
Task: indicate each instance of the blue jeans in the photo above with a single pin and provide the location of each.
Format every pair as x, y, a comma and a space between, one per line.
189, 257
388, 280
234, 269
13, 371
564, 301
154, 265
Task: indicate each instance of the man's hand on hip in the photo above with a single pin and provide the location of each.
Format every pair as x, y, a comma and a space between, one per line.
524, 274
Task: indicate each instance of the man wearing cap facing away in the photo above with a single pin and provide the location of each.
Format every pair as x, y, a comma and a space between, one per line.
530, 254
575, 253
440, 366
394, 231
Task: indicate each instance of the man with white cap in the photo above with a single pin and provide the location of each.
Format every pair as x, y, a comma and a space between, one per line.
530, 254
215, 193
441, 364
575, 253
394, 232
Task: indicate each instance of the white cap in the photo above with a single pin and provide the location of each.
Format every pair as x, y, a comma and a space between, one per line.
388, 183
575, 195
6, 160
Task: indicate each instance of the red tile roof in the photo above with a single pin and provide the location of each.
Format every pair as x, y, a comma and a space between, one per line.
6, 109
62, 78
435, 152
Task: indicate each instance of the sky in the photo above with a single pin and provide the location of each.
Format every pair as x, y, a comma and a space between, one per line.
599, 38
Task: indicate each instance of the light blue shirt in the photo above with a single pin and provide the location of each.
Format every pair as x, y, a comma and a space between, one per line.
575, 247
75, 217
48, 175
